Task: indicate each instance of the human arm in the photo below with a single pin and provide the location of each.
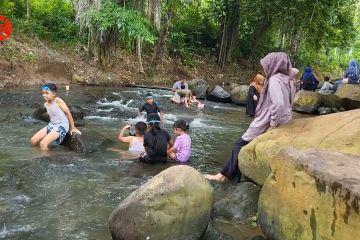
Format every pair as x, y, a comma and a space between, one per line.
175, 87
122, 138
277, 102
140, 110
62, 105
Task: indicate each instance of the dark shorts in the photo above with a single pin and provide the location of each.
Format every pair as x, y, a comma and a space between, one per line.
61, 130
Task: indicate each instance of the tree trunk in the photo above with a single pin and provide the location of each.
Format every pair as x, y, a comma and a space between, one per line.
153, 11
106, 47
161, 44
27, 2
230, 32
139, 8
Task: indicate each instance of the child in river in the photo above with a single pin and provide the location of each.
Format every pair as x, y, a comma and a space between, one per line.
181, 151
136, 143
150, 106
60, 119
156, 142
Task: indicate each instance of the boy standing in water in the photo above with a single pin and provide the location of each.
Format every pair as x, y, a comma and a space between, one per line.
150, 106
60, 119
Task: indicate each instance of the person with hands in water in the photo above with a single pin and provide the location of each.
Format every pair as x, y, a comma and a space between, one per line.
61, 120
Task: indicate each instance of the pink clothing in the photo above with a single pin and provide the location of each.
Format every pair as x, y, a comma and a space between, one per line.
183, 148
275, 104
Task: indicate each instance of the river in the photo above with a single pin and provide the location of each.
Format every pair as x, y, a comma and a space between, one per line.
67, 195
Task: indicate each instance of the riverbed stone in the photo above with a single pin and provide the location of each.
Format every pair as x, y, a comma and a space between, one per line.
77, 112
233, 85
89, 141
218, 94
199, 87
324, 110
175, 204
311, 194
350, 96
306, 102
239, 94
240, 204
338, 132
330, 101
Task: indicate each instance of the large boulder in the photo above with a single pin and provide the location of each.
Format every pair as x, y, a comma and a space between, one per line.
218, 94
311, 195
240, 204
239, 94
175, 204
338, 132
306, 102
77, 113
199, 87
350, 96
330, 101
89, 141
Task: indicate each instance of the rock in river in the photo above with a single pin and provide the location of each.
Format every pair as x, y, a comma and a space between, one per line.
306, 102
218, 94
199, 87
175, 204
239, 94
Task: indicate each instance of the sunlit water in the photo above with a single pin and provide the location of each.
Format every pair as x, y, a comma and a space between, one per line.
68, 195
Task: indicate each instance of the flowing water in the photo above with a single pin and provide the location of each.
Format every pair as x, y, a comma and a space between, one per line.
67, 195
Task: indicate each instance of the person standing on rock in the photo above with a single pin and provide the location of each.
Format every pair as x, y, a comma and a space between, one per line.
274, 109
60, 119
256, 88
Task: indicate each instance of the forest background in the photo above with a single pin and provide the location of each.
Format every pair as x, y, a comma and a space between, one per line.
157, 41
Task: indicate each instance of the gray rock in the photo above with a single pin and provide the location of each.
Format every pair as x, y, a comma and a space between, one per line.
175, 204
350, 96
239, 95
199, 87
324, 110
240, 205
306, 102
218, 94
89, 141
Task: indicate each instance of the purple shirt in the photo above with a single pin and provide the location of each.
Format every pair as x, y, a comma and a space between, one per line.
183, 147
275, 110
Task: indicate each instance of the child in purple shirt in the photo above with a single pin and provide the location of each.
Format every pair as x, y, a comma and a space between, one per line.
181, 151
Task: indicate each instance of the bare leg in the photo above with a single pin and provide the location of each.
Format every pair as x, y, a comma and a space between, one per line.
37, 137
171, 156
51, 137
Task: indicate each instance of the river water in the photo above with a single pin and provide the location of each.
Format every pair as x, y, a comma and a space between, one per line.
67, 195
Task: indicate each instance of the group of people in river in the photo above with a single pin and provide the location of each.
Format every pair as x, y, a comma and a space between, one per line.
269, 102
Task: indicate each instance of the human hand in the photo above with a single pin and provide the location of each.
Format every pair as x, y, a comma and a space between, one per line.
127, 126
255, 98
75, 130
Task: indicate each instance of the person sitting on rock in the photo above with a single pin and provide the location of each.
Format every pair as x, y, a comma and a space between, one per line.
60, 119
181, 90
256, 88
156, 142
274, 109
150, 106
136, 143
308, 80
181, 151
326, 87
351, 75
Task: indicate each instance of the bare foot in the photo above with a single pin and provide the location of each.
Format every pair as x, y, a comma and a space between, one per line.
218, 177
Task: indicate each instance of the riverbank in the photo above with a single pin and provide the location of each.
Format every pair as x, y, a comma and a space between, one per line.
32, 62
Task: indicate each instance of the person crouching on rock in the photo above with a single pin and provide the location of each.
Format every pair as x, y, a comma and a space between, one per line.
156, 142
60, 119
274, 109
181, 151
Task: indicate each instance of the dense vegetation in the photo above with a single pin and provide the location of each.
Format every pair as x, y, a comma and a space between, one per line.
324, 33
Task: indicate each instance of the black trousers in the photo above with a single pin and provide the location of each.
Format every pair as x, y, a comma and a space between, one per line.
231, 169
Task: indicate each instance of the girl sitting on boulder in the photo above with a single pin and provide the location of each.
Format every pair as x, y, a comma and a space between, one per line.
156, 142
60, 119
274, 109
256, 88
181, 151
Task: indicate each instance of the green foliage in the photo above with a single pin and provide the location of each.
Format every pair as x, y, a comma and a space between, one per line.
129, 23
